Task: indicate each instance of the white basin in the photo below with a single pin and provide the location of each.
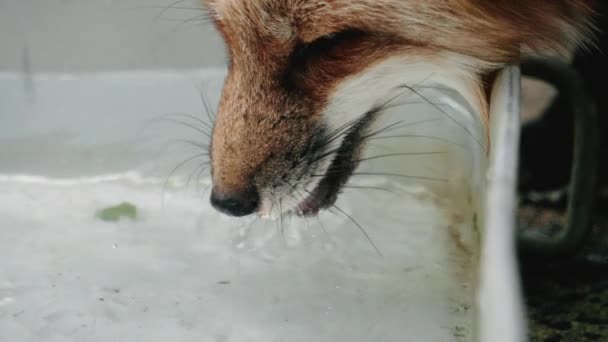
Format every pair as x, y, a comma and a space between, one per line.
430, 257
180, 271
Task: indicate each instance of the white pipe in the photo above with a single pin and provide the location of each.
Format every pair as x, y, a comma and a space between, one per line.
501, 312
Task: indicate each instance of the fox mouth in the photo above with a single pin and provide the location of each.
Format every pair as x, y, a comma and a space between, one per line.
345, 161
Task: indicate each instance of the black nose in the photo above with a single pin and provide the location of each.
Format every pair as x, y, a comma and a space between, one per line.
236, 204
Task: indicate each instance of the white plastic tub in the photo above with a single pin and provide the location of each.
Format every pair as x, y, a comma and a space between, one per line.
82, 87
79, 143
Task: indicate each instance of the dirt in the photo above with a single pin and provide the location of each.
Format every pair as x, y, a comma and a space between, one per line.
567, 300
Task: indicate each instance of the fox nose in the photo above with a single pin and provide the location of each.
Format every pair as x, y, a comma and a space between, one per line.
236, 204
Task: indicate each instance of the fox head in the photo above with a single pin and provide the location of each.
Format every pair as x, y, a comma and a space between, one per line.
306, 78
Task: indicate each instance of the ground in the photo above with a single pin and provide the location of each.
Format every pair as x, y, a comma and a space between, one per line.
568, 300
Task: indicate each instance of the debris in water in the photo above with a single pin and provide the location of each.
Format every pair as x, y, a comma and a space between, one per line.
116, 213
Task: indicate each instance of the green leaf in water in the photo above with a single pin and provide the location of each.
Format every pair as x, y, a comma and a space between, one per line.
116, 213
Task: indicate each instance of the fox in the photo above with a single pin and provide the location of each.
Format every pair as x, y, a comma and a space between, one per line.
308, 78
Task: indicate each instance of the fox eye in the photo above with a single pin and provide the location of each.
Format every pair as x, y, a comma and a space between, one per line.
324, 45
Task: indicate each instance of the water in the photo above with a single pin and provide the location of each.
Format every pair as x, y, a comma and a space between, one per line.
186, 273
183, 272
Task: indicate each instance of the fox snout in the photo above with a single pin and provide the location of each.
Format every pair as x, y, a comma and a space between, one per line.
249, 176
264, 145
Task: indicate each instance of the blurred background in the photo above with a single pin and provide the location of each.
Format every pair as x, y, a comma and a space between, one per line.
105, 35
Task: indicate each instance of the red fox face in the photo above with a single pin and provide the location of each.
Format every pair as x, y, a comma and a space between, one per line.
307, 78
